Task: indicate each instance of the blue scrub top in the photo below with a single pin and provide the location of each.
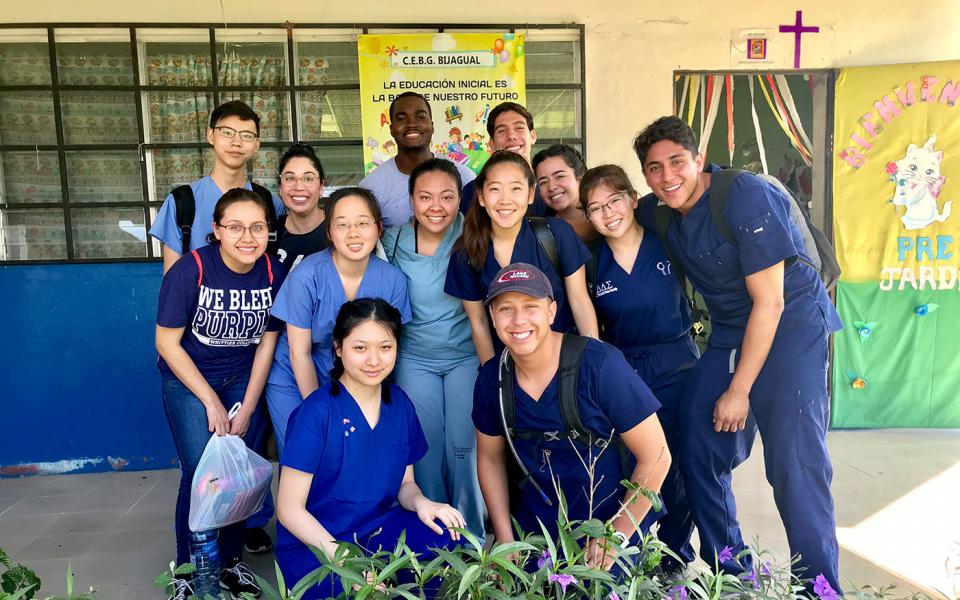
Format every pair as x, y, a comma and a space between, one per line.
467, 284
611, 397
311, 298
759, 217
357, 470
440, 327
206, 192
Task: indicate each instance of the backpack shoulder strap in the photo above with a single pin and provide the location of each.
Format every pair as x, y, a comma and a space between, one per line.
662, 215
508, 406
720, 184
186, 211
269, 268
267, 196
196, 257
571, 349
541, 228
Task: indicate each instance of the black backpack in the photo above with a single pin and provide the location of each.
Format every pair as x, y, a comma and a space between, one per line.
186, 206
571, 350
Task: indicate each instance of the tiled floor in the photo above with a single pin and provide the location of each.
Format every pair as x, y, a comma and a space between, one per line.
896, 495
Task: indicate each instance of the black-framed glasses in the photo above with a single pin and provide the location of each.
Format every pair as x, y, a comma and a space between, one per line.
230, 133
235, 230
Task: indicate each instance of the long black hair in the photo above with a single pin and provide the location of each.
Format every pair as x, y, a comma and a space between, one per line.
355, 313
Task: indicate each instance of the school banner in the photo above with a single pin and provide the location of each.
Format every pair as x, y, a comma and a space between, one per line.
463, 75
896, 175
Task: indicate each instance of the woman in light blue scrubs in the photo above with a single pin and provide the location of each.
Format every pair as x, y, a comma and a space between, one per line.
347, 471
643, 312
438, 363
314, 293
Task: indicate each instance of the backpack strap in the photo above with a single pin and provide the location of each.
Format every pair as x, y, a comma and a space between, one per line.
186, 207
571, 349
541, 229
663, 214
720, 184
267, 196
196, 257
269, 269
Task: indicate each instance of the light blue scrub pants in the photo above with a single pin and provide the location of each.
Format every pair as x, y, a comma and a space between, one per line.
442, 392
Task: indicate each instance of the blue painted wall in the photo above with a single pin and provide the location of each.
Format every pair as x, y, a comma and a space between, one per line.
79, 386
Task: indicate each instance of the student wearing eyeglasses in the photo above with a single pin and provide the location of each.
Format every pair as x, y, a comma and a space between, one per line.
215, 338
234, 134
316, 290
300, 232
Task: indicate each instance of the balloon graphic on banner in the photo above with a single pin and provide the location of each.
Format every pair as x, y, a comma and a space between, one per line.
504, 56
498, 45
519, 51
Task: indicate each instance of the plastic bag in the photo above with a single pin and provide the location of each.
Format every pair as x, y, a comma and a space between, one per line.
229, 484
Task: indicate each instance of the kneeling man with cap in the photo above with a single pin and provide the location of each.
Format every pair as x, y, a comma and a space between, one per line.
552, 404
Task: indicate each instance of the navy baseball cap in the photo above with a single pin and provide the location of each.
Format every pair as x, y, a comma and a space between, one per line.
519, 277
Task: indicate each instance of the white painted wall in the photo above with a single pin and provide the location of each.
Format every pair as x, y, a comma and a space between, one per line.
632, 48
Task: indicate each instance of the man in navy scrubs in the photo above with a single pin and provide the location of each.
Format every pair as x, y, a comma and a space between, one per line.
766, 363
613, 403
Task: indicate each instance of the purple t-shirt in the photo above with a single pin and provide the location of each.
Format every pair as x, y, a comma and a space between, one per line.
223, 313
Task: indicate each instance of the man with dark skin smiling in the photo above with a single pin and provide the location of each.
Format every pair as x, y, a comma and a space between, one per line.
411, 126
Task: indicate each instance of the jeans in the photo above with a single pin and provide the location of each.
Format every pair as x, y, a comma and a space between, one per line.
442, 393
187, 418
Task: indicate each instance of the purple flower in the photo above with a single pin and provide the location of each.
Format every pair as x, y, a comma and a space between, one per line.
545, 559
750, 577
678, 592
765, 569
726, 554
821, 587
614, 596
563, 580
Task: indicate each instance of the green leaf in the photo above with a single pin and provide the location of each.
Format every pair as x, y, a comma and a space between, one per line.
509, 548
510, 566
267, 590
69, 580
594, 528
392, 567
471, 575
185, 569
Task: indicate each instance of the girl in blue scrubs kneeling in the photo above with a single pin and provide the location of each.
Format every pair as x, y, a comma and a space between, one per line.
496, 234
642, 311
348, 465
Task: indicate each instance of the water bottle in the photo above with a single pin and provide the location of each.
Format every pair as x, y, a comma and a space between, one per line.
205, 556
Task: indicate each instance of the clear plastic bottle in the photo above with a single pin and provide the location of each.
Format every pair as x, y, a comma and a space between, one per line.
205, 556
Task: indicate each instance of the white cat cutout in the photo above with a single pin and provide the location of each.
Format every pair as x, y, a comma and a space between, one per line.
918, 179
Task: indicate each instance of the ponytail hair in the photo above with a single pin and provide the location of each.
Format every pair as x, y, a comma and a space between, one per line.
477, 227
351, 315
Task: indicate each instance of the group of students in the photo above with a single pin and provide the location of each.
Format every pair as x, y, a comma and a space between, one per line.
422, 376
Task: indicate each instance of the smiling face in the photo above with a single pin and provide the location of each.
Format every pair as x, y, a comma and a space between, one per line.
435, 201
673, 173
522, 322
411, 125
558, 184
510, 132
368, 353
353, 230
234, 152
299, 197
241, 252
610, 211
505, 195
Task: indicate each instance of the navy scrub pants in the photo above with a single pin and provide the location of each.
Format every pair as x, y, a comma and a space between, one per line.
789, 406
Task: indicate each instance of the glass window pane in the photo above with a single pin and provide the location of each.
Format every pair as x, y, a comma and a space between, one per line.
104, 176
556, 113
263, 167
99, 117
94, 63
29, 177
177, 167
109, 233
25, 63
273, 108
178, 116
250, 63
553, 62
32, 234
329, 114
322, 63
27, 118
342, 166
173, 63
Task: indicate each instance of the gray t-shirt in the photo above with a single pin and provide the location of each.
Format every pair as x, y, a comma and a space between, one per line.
389, 185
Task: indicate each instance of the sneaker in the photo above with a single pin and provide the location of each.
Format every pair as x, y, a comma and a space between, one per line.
239, 579
181, 589
257, 541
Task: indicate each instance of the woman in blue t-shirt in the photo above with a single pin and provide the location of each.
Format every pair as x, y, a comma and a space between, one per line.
438, 364
216, 340
347, 471
496, 234
316, 289
643, 312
